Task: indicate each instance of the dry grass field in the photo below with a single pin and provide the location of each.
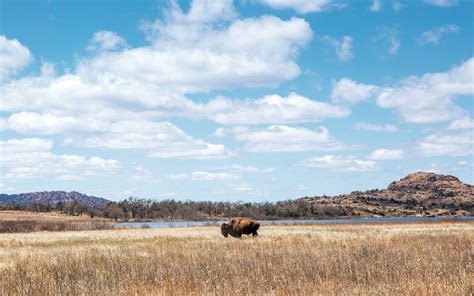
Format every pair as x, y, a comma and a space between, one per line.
27, 221
40, 217
435, 258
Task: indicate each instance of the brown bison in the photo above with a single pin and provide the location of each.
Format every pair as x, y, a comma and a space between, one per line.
238, 226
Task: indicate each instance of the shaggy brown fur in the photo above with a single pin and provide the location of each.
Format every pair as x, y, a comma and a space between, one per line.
238, 226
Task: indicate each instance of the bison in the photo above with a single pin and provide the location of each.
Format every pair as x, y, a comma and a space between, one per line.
238, 226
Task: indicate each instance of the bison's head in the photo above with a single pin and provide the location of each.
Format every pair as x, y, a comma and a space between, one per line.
225, 229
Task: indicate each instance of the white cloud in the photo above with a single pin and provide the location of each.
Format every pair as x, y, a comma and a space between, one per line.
167, 194
203, 11
32, 158
250, 53
376, 6
300, 6
442, 3
450, 168
178, 177
251, 169
383, 154
397, 6
273, 109
204, 176
70, 178
48, 124
207, 176
247, 52
159, 139
461, 144
106, 40
462, 123
25, 145
388, 36
242, 187
3, 124
340, 163
219, 132
348, 91
47, 92
197, 149
425, 99
141, 173
47, 69
301, 187
188, 53
343, 47
13, 57
429, 98
268, 110
226, 173
434, 36
362, 126
282, 138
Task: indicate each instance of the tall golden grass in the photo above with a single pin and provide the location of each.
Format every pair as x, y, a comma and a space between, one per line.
13, 215
367, 259
27, 221
31, 226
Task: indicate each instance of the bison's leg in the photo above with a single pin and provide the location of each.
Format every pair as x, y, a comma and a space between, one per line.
254, 234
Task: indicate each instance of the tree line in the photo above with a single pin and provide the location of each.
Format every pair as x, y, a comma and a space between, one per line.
142, 209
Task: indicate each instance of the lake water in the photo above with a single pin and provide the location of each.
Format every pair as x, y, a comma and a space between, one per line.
174, 224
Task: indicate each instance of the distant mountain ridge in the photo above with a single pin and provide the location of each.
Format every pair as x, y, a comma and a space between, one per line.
420, 193
52, 197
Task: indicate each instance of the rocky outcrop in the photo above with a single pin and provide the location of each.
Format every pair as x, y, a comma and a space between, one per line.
53, 198
417, 194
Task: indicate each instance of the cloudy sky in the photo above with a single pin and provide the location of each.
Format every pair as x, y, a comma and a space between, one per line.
233, 100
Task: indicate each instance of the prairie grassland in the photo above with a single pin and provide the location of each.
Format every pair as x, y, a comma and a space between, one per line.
31, 226
27, 221
12, 215
435, 258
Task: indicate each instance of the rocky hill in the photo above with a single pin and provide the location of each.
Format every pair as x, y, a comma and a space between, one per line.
52, 197
418, 194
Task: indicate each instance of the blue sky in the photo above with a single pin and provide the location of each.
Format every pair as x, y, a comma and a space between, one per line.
233, 100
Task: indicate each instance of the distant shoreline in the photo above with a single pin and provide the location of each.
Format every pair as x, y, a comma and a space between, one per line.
179, 224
